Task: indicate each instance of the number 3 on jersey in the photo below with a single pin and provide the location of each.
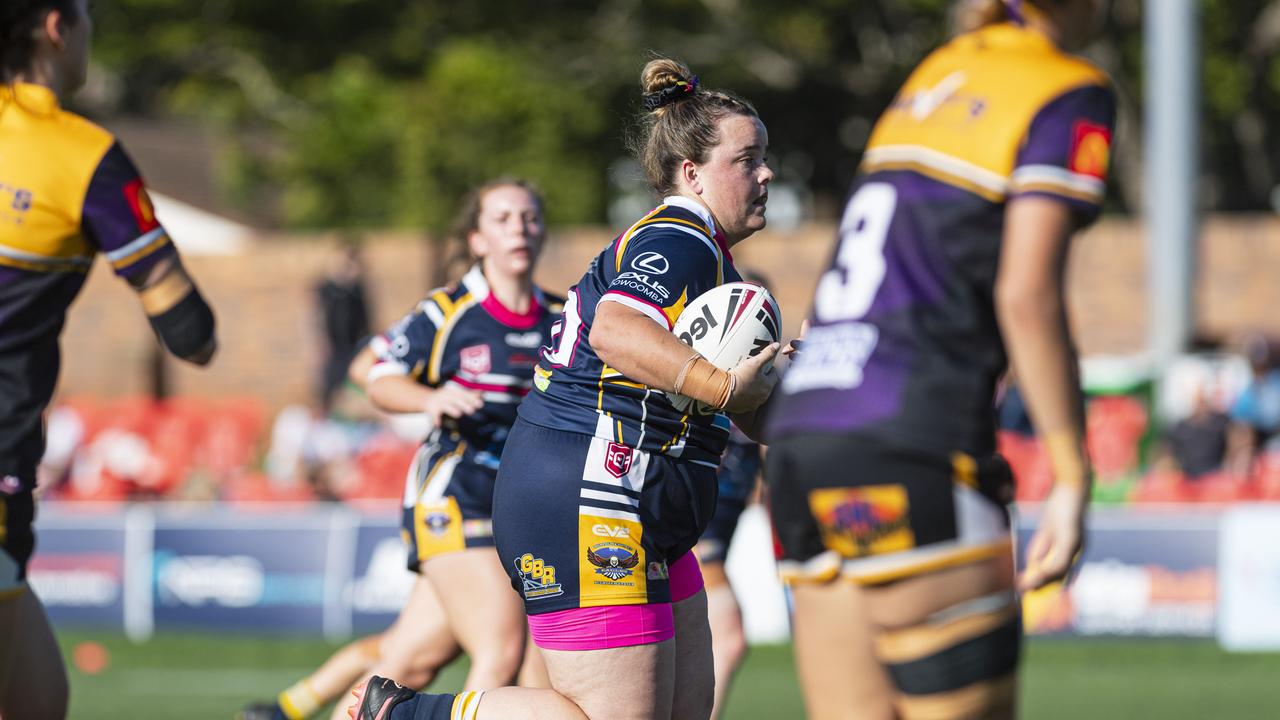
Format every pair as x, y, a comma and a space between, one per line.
564, 334
846, 291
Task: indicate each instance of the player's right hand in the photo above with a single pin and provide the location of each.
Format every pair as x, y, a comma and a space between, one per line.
452, 401
754, 381
1058, 538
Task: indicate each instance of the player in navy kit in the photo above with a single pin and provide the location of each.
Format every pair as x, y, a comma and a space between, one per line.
67, 193
605, 487
887, 494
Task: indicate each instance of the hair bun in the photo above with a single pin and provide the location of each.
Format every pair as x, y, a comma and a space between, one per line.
665, 81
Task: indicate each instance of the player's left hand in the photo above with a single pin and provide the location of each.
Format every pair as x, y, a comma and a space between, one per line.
1058, 538
793, 347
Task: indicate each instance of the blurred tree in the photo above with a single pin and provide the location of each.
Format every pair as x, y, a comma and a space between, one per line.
383, 112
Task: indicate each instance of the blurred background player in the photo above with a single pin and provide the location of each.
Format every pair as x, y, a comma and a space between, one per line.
605, 487
887, 494
467, 353
67, 192
736, 481
343, 316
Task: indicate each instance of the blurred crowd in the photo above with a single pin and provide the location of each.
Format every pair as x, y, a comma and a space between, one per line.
1209, 433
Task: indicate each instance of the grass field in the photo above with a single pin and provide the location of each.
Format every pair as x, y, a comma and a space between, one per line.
210, 676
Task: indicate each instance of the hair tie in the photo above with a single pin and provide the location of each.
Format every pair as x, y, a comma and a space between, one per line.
670, 95
1014, 8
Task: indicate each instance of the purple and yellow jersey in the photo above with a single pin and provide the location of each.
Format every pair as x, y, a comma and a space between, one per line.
904, 343
671, 256
67, 192
463, 336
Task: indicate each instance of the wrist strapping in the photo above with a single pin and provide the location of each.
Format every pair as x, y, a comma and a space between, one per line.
702, 381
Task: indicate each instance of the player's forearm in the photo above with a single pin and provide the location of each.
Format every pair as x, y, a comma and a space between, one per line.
1034, 324
398, 394
636, 346
178, 313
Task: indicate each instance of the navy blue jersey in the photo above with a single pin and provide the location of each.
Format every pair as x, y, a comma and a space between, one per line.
668, 258
904, 343
462, 335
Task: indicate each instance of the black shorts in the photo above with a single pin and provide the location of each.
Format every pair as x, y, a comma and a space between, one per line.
448, 500
736, 478
584, 522
17, 539
845, 504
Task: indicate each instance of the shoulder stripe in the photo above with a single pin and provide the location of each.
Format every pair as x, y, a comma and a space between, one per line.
452, 313
138, 249
1051, 178
432, 311
625, 238
941, 166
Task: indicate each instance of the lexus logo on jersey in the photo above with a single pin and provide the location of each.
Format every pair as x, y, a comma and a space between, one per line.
475, 359
617, 459
651, 262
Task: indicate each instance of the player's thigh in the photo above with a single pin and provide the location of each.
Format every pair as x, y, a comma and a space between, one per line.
476, 594
694, 662
835, 658
625, 683
950, 640
35, 683
420, 628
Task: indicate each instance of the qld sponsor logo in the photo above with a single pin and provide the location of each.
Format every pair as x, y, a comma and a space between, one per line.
651, 262
531, 339
617, 459
74, 580
476, 359
609, 531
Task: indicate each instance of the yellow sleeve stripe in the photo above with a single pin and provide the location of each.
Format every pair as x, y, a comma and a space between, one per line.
158, 239
452, 312
626, 237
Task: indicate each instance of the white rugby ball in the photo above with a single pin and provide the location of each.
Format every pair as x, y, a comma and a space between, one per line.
726, 325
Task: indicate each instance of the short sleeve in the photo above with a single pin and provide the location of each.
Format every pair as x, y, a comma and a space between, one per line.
119, 219
661, 269
405, 349
1067, 150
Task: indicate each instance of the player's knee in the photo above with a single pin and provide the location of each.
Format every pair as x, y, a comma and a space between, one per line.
958, 663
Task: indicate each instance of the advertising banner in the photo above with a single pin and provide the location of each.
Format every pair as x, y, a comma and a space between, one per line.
382, 580
257, 572
1250, 562
78, 570
1143, 572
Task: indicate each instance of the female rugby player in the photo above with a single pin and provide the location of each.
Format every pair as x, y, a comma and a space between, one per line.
67, 193
882, 468
605, 487
449, 358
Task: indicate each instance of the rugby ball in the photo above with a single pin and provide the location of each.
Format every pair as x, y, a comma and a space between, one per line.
726, 325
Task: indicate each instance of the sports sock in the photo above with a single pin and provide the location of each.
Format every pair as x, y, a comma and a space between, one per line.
439, 707
299, 702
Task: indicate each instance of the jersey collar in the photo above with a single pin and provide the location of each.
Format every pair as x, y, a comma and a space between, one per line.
476, 284
694, 207
35, 98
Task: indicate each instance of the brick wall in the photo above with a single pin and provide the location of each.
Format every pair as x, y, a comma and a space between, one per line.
267, 318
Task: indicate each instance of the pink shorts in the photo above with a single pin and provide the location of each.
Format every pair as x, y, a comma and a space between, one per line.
611, 626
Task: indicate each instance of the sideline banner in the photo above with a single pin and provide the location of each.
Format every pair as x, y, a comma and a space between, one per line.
1145, 572
1250, 561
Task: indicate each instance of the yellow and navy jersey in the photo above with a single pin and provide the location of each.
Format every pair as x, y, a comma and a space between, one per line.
463, 336
903, 341
671, 256
67, 193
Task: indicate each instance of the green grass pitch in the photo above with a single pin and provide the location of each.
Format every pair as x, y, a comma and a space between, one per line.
193, 675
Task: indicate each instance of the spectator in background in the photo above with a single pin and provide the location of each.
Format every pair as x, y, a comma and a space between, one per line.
1197, 444
344, 313
1255, 416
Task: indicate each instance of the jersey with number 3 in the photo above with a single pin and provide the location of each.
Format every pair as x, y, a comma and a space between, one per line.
668, 258
904, 343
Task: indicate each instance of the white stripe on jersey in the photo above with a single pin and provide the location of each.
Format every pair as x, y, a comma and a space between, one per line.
650, 311
432, 311
588, 494
608, 513
1054, 175
386, 368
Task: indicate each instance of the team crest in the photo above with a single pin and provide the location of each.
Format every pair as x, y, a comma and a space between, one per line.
613, 560
437, 523
475, 359
1090, 149
866, 520
537, 579
617, 459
